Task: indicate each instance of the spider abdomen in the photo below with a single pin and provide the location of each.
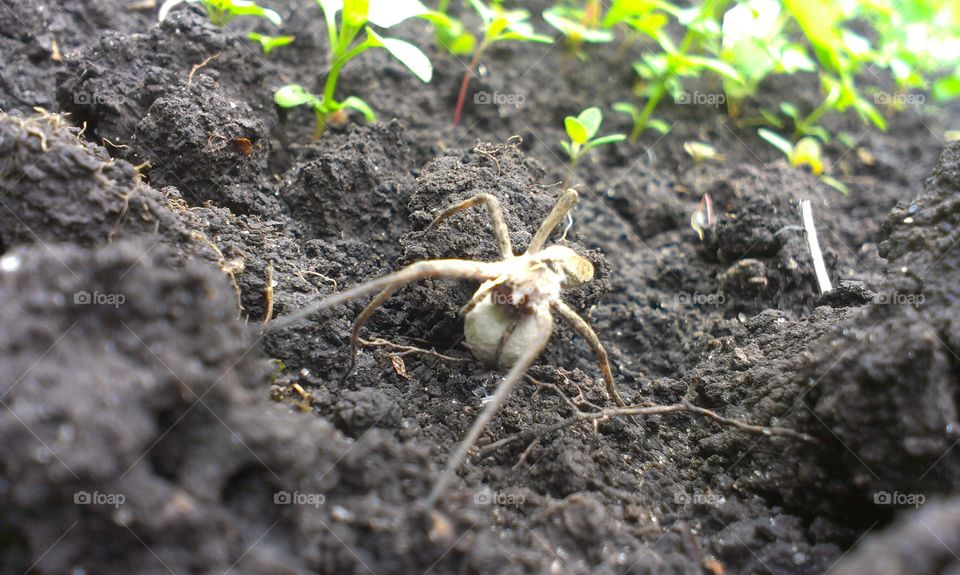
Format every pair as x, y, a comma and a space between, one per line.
498, 334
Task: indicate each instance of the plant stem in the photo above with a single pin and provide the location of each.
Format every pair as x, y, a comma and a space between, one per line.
571, 167
321, 123
466, 81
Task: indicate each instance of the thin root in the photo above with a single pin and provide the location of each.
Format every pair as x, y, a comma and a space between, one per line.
643, 411
403, 350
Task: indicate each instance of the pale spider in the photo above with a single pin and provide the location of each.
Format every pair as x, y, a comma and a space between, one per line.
508, 321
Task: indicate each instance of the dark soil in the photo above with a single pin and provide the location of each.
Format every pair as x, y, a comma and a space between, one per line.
147, 426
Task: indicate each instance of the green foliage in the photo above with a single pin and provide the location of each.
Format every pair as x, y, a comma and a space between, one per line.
661, 72
449, 33
270, 43
582, 131
807, 151
579, 25
221, 12
499, 25
351, 38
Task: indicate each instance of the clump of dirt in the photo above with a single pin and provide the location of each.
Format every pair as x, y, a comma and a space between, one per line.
352, 185
57, 187
220, 147
886, 378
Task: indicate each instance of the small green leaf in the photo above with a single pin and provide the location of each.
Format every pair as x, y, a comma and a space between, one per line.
359, 105
835, 184
389, 13
777, 141
269, 43
249, 8
626, 108
408, 54
590, 119
486, 14
293, 95
566, 148
576, 130
712, 64
807, 152
611, 139
568, 21
659, 126
789, 110
947, 88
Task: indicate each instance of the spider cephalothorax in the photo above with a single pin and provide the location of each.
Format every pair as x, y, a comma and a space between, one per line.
509, 319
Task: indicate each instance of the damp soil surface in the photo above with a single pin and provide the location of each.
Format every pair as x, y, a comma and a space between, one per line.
154, 205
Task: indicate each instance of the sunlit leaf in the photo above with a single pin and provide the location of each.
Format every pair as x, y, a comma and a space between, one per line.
408, 54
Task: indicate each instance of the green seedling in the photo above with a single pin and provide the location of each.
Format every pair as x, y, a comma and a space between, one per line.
347, 41
641, 123
499, 25
755, 44
841, 53
579, 25
270, 43
661, 72
221, 12
582, 130
450, 34
808, 152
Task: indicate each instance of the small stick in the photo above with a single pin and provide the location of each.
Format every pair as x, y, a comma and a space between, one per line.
819, 267
199, 66
268, 293
640, 411
407, 349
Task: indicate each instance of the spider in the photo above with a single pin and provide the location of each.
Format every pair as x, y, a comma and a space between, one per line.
508, 321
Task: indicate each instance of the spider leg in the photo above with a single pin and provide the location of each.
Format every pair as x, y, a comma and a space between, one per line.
500, 231
493, 405
455, 269
584, 330
358, 323
511, 327
481, 293
563, 206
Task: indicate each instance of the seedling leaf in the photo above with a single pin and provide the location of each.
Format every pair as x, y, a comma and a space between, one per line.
270, 43
381, 13
408, 54
777, 141
359, 105
293, 95
611, 139
564, 19
590, 119
576, 130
